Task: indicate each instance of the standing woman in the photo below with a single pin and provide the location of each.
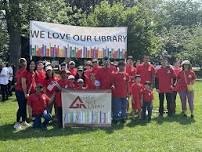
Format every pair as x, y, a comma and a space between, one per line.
185, 80
50, 83
21, 94
29, 82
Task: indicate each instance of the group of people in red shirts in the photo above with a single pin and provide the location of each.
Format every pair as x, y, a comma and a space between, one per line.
39, 88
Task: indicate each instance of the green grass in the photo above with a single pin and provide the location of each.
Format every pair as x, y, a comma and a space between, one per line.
168, 134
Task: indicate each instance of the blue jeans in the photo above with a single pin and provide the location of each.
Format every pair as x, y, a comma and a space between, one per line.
22, 104
37, 120
147, 106
119, 108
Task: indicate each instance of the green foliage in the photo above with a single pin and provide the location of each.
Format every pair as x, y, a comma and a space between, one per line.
138, 19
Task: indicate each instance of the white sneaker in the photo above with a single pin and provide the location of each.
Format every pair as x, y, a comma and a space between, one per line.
17, 125
25, 124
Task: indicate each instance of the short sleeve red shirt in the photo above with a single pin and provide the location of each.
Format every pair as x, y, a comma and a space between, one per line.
148, 95
146, 71
90, 82
19, 74
120, 82
104, 75
184, 76
165, 76
30, 80
49, 86
38, 103
40, 77
137, 90
73, 71
58, 98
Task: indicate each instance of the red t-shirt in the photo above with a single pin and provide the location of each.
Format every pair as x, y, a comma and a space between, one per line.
184, 76
90, 82
165, 76
148, 95
136, 91
30, 81
19, 74
95, 69
38, 103
58, 98
40, 77
49, 86
131, 71
146, 71
73, 71
104, 75
120, 82
177, 70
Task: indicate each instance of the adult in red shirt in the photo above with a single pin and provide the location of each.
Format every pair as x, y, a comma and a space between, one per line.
185, 79
39, 104
131, 71
177, 68
29, 83
63, 83
72, 68
50, 83
95, 66
148, 98
120, 94
136, 92
104, 75
90, 75
165, 77
40, 73
21, 95
146, 70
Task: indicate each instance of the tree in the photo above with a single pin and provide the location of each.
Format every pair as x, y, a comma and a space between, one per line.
138, 19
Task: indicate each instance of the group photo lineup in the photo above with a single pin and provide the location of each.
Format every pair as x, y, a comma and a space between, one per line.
100, 76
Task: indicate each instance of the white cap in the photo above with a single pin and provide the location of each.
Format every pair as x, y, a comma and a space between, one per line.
80, 80
71, 77
187, 62
49, 68
97, 83
71, 62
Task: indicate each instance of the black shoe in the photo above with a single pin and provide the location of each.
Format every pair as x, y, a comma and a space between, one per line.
149, 119
192, 116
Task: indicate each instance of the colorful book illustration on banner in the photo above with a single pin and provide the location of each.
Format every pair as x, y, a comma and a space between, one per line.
75, 52
87, 117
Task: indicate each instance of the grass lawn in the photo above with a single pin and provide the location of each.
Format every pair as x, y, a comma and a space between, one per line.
168, 134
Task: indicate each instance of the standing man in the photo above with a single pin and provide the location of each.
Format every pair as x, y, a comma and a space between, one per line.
104, 75
165, 77
119, 94
146, 70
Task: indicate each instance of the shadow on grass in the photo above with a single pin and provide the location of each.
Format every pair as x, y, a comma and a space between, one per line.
160, 120
7, 132
179, 118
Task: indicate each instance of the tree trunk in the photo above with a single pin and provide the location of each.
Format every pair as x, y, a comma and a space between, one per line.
14, 27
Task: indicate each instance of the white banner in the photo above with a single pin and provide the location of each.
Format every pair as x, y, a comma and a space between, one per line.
86, 108
57, 40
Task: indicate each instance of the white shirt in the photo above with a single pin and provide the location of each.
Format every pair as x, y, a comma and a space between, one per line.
10, 72
4, 76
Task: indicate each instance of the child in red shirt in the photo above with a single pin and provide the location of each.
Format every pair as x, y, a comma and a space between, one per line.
147, 101
136, 93
39, 103
120, 94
